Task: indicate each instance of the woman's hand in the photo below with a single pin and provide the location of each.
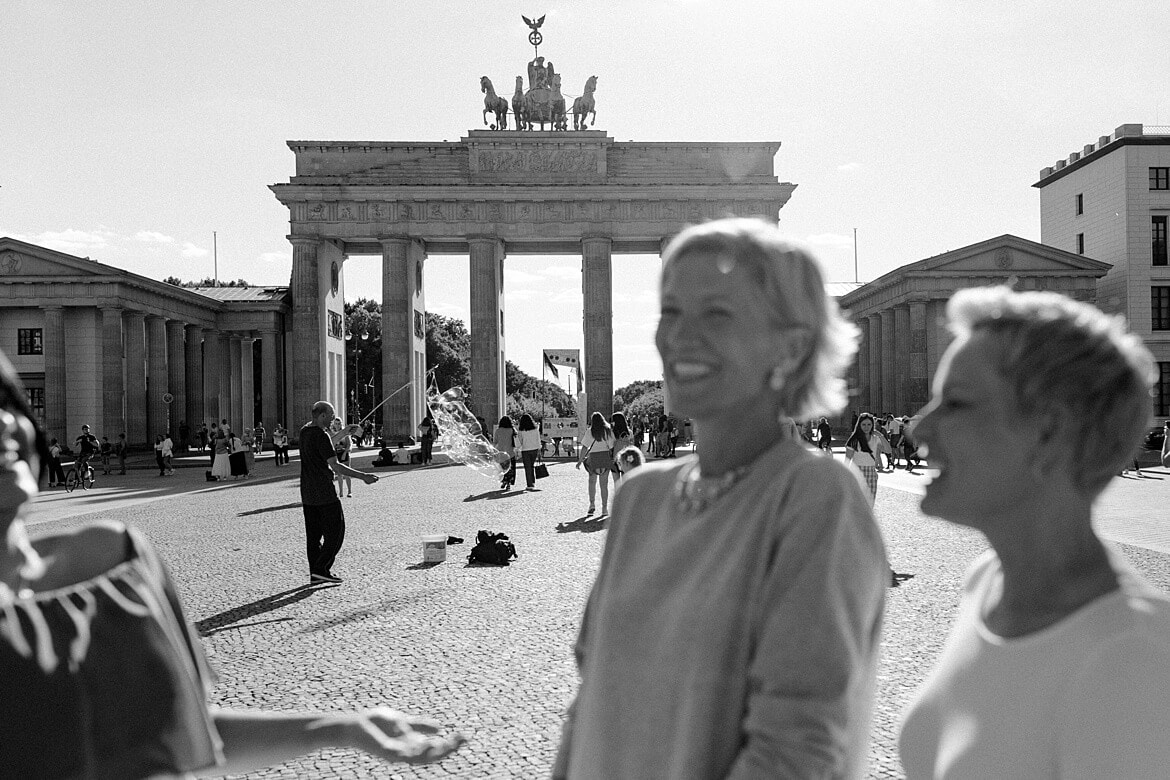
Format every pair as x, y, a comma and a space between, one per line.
394, 736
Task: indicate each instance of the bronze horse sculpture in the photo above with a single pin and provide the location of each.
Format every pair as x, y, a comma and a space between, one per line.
494, 104
519, 109
584, 105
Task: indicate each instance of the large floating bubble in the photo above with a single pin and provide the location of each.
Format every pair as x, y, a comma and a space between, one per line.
462, 437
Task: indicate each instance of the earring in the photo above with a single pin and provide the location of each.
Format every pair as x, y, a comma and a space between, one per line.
778, 379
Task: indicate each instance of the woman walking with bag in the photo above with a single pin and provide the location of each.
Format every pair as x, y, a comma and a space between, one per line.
862, 450
528, 442
622, 438
597, 454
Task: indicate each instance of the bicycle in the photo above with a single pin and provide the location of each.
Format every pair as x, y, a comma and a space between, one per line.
84, 478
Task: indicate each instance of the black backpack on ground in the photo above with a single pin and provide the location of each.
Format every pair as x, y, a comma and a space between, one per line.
492, 548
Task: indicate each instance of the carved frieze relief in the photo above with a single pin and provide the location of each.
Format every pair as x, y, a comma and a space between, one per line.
11, 262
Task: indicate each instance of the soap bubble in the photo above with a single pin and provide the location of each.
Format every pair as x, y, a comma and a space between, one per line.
462, 437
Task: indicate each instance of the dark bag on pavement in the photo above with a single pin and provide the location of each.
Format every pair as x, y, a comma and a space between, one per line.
540, 470
492, 548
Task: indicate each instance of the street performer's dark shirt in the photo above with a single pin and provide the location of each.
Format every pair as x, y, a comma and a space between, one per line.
316, 477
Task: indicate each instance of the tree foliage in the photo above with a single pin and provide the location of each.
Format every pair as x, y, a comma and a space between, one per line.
448, 351
206, 282
624, 396
539, 397
649, 403
363, 357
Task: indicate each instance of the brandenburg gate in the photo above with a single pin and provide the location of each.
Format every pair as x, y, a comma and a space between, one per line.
494, 193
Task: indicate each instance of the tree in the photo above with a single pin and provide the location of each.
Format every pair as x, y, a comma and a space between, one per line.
624, 396
539, 397
363, 357
649, 403
448, 351
206, 282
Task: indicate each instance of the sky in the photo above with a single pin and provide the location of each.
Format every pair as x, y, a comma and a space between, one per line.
134, 131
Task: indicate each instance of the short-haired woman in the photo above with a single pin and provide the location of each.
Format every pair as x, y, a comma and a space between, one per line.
733, 630
1057, 663
597, 442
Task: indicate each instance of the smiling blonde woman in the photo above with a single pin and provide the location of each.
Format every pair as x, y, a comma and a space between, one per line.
733, 628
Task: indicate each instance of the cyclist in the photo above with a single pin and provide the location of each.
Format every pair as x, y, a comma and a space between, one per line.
86, 445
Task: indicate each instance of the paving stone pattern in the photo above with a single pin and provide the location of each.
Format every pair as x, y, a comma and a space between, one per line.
485, 650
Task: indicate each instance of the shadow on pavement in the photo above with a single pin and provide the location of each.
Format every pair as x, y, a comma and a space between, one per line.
423, 565
495, 495
586, 525
264, 509
389, 605
231, 618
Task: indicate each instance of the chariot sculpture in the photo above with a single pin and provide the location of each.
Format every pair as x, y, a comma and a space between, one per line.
542, 104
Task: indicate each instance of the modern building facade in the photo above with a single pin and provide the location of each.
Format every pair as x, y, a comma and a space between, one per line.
123, 353
1111, 201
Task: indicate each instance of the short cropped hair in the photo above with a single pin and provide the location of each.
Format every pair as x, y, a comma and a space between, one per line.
1069, 359
793, 284
320, 407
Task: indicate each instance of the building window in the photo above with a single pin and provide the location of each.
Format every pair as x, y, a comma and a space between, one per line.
30, 342
1162, 391
1080, 243
1080, 203
36, 400
1160, 178
1158, 229
1160, 308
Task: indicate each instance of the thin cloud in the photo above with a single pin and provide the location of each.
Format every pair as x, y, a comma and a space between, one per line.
152, 237
274, 258
191, 251
513, 276
521, 295
562, 272
847, 167
831, 240
73, 241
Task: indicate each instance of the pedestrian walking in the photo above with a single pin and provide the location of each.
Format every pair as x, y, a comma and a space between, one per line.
324, 517
203, 437
102, 675
825, 435
221, 467
258, 435
623, 438
168, 454
863, 448
106, 450
249, 440
1056, 665
596, 453
56, 473
158, 455
504, 438
734, 626
528, 442
279, 445
427, 433
237, 458
121, 449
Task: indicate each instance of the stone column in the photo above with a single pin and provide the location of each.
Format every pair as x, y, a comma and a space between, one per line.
861, 394
224, 377
136, 412
918, 392
597, 286
113, 382
247, 382
54, 350
902, 359
193, 377
888, 375
875, 363
269, 398
211, 363
398, 336
487, 329
236, 418
157, 379
307, 330
177, 379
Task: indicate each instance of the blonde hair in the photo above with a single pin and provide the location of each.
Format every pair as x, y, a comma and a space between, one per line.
793, 284
1069, 359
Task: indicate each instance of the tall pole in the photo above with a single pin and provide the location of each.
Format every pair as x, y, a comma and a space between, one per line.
215, 255
855, 280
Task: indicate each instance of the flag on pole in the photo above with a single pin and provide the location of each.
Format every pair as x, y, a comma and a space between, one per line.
548, 364
563, 357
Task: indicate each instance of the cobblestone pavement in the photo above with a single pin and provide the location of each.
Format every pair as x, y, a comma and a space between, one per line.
485, 650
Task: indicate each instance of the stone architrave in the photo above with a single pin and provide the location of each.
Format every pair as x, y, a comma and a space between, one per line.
247, 382
597, 286
308, 370
918, 392
487, 328
860, 394
889, 376
54, 351
193, 354
211, 375
177, 377
902, 360
157, 379
269, 392
136, 417
113, 382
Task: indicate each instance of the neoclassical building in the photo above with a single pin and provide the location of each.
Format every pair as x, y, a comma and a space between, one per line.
128, 354
902, 315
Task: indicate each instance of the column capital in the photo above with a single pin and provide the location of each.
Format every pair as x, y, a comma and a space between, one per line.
193, 329
596, 239
395, 240
58, 307
304, 241
248, 335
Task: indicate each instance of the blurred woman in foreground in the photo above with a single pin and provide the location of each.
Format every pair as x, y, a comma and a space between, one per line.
100, 673
1057, 664
733, 628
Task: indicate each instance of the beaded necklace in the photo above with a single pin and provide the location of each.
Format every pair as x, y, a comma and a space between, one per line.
694, 493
